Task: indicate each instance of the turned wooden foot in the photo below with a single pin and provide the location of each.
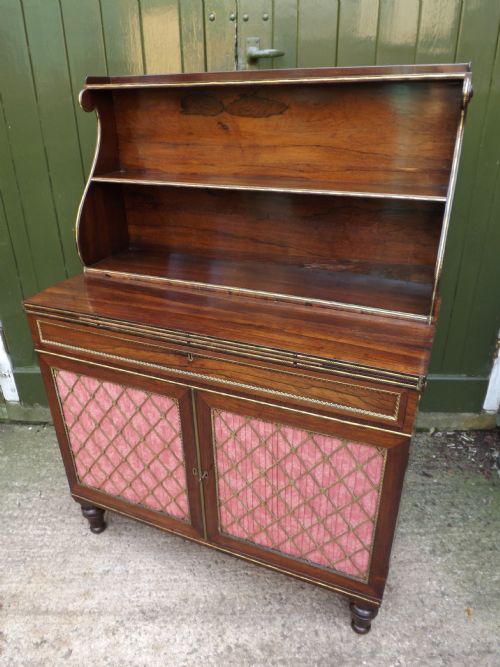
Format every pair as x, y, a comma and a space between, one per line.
95, 517
362, 618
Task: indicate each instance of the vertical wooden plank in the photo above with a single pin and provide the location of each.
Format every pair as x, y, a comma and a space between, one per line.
357, 42
28, 152
317, 29
438, 34
17, 334
220, 34
285, 32
464, 349
161, 35
397, 32
14, 212
255, 19
476, 42
192, 36
57, 118
122, 36
484, 314
82, 22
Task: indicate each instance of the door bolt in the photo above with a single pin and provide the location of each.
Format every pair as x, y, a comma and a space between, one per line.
245, 17
232, 16
265, 17
211, 16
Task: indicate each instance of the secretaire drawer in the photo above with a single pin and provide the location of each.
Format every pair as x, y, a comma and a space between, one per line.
318, 391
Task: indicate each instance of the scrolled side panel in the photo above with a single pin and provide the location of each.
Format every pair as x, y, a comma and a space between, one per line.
102, 226
95, 241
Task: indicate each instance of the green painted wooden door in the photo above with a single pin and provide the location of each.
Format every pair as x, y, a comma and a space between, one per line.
47, 47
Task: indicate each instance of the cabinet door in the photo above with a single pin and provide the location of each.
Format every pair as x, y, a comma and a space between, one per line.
127, 442
308, 494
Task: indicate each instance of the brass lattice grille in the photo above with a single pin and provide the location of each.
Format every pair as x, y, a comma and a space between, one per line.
304, 494
125, 441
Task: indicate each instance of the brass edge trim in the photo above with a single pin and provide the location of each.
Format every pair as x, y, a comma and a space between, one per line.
89, 179
234, 383
243, 290
318, 79
377, 512
467, 90
202, 340
216, 468
63, 419
231, 347
211, 545
449, 197
222, 393
262, 188
198, 355
198, 462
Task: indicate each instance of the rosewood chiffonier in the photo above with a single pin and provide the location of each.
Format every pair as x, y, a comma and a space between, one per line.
242, 359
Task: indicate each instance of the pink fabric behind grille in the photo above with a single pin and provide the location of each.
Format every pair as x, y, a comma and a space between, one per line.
125, 441
304, 494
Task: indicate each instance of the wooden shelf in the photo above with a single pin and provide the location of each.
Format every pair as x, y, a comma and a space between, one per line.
430, 192
275, 281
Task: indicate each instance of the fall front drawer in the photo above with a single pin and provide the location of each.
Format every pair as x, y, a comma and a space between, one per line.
321, 392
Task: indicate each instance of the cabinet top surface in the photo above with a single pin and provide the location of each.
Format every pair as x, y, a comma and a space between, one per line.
455, 70
374, 341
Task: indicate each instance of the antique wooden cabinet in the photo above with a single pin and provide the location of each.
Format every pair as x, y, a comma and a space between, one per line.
242, 359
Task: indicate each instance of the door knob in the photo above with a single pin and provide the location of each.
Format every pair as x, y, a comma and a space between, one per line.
254, 52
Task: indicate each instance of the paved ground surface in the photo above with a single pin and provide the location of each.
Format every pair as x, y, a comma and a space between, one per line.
137, 596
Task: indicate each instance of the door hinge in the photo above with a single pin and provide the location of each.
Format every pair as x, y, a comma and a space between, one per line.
199, 477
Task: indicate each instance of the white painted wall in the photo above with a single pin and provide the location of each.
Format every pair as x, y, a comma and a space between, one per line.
7, 382
492, 400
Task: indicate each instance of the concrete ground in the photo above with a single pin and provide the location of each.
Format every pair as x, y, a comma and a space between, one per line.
137, 596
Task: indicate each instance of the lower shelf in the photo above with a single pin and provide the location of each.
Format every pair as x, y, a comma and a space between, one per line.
282, 282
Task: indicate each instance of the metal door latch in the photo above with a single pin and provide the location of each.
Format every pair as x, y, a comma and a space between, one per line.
254, 52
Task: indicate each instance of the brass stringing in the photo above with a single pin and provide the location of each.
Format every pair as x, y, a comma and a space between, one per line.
341, 305
191, 356
263, 188
222, 393
294, 359
318, 79
233, 383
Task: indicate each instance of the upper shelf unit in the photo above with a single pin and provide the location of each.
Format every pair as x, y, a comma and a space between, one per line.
379, 132
330, 187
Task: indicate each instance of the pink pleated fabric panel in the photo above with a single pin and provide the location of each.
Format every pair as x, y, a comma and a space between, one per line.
307, 495
125, 442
